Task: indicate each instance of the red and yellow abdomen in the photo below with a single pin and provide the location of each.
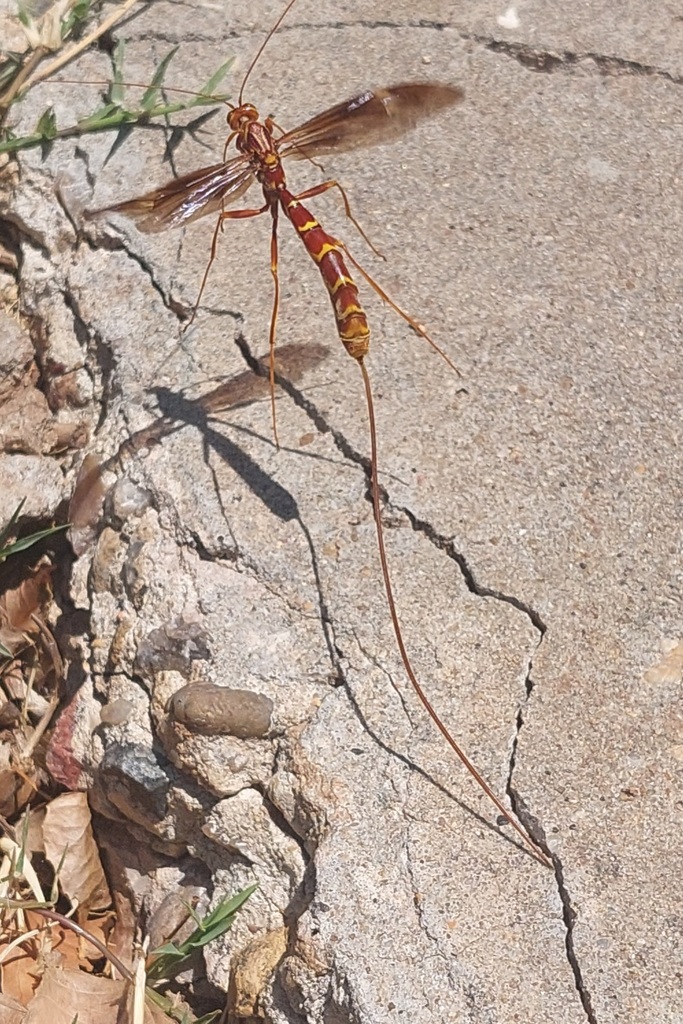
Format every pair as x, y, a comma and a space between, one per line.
352, 323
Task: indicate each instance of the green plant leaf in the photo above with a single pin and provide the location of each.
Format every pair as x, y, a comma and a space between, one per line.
90, 122
23, 14
209, 89
47, 125
75, 18
10, 64
168, 959
24, 542
5, 532
27, 542
116, 89
12, 144
113, 114
24, 842
109, 116
149, 97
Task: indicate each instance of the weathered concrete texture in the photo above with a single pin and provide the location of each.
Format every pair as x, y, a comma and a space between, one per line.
32, 433
533, 517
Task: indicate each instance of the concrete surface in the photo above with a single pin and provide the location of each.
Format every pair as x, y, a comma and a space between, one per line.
533, 518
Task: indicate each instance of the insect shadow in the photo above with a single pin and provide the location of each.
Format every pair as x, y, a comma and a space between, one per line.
240, 391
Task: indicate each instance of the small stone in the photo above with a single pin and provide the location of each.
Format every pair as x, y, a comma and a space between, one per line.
116, 712
132, 779
172, 648
253, 970
128, 499
212, 710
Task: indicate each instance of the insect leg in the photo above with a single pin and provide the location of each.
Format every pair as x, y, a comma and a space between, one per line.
225, 215
274, 209
415, 324
325, 186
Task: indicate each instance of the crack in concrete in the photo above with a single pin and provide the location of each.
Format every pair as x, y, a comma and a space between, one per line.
374, 660
516, 800
247, 31
237, 560
569, 918
447, 545
531, 824
532, 58
444, 544
302, 889
221, 554
117, 243
417, 903
457, 972
545, 61
102, 377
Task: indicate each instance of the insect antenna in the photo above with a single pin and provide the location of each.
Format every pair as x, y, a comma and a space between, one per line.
136, 85
262, 47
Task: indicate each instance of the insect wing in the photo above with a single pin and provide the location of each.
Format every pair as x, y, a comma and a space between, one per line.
368, 119
182, 200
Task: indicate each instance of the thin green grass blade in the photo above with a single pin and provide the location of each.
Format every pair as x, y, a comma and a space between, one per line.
4, 533
116, 89
150, 95
26, 542
209, 88
169, 958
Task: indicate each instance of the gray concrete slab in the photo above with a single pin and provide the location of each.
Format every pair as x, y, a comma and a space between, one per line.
534, 503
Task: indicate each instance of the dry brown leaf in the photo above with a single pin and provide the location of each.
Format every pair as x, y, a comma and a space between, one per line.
23, 602
15, 792
121, 940
19, 605
64, 996
51, 649
11, 1011
19, 690
18, 784
20, 974
32, 833
86, 502
54, 946
100, 928
71, 849
85, 507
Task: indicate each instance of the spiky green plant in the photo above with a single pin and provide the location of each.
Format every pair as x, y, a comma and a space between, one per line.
18, 74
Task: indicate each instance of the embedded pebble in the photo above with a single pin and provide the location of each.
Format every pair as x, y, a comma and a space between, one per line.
212, 710
132, 779
128, 499
172, 648
116, 712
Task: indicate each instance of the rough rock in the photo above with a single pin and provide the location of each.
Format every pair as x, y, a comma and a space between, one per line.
532, 512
